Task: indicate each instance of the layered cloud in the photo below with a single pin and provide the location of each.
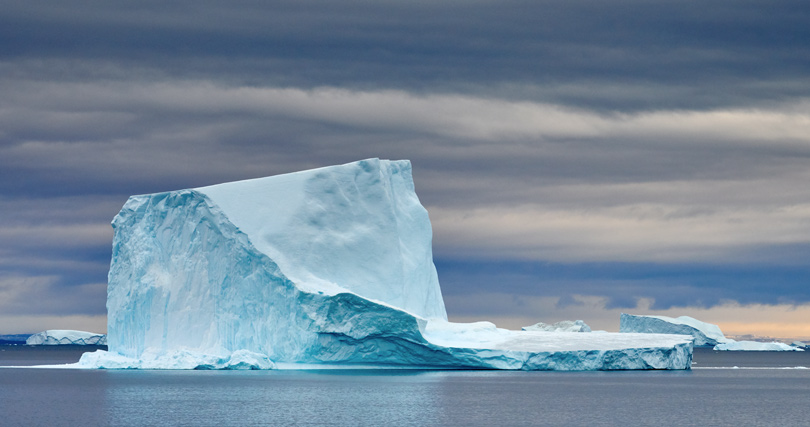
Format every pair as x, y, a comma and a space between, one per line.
519, 179
786, 322
622, 150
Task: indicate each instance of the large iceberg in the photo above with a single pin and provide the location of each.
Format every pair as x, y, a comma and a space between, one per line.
330, 266
705, 334
66, 337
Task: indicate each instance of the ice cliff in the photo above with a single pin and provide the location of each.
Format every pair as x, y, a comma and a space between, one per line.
330, 266
66, 337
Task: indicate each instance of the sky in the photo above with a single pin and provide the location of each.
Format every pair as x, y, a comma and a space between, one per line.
578, 159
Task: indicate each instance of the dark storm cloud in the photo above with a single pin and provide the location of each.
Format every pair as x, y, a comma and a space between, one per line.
125, 138
627, 55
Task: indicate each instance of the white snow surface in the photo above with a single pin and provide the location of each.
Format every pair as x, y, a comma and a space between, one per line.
328, 267
755, 346
66, 337
705, 334
562, 326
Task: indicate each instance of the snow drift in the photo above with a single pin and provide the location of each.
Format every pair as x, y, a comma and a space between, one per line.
330, 266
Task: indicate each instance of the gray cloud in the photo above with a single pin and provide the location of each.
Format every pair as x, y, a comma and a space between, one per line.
18, 294
538, 180
626, 55
628, 132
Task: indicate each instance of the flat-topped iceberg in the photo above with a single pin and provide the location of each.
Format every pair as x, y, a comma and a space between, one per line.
330, 266
66, 337
755, 346
562, 326
705, 334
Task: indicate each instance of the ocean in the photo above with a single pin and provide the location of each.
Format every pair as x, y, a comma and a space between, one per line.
723, 388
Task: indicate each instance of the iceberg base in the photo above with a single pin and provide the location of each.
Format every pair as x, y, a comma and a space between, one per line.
446, 346
180, 359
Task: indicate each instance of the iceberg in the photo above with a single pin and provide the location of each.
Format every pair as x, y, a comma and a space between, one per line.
705, 334
66, 337
329, 267
562, 326
755, 346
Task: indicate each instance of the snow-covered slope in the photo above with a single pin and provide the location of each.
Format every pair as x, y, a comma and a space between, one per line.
562, 326
331, 266
357, 227
705, 334
59, 336
755, 346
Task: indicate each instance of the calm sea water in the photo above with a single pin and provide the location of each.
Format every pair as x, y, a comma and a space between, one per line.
757, 392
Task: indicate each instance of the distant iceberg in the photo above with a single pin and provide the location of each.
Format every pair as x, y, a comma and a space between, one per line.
66, 337
755, 346
562, 326
326, 267
705, 334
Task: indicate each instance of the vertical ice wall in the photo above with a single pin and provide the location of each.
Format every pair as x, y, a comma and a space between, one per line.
249, 265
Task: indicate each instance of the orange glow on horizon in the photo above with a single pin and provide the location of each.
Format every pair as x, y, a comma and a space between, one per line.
766, 329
